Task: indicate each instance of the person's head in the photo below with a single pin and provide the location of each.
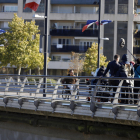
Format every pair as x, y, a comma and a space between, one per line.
71, 72
138, 60
117, 57
125, 59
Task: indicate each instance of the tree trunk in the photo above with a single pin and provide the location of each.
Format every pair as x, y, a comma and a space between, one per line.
38, 70
19, 71
30, 72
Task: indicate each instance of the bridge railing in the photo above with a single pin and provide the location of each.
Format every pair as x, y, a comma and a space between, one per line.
26, 92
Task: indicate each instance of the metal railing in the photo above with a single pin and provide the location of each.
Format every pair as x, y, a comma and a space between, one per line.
26, 92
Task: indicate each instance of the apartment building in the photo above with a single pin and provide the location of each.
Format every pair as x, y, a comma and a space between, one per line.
66, 19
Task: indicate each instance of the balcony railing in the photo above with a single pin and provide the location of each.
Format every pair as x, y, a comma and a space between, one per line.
76, 12
69, 48
74, 32
136, 34
136, 50
2, 11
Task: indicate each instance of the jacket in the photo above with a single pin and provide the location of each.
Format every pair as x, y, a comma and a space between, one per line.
122, 73
113, 66
137, 70
69, 81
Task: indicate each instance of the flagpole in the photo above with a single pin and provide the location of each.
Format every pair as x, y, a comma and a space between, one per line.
98, 61
45, 48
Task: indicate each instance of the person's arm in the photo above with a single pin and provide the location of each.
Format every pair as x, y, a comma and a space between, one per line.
106, 71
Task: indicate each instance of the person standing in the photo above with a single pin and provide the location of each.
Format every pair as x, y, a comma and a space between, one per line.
70, 82
137, 75
113, 67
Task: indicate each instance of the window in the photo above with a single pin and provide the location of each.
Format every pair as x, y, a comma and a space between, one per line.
137, 43
138, 11
109, 6
40, 23
122, 6
138, 26
11, 8
64, 41
56, 58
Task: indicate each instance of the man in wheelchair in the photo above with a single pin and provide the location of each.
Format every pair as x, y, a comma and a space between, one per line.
69, 87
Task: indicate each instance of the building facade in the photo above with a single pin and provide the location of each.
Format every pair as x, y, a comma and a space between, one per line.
66, 19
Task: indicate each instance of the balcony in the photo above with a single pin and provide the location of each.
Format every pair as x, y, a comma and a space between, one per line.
8, 1
136, 50
89, 2
74, 32
69, 48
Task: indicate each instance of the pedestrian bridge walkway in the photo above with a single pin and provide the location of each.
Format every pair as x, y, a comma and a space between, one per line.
31, 93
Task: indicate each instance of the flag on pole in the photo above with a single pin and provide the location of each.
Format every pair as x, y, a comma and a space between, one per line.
91, 22
2, 31
88, 24
33, 4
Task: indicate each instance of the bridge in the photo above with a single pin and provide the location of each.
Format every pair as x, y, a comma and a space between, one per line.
27, 99
26, 92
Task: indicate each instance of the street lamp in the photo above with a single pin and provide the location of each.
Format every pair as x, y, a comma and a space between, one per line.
98, 63
45, 44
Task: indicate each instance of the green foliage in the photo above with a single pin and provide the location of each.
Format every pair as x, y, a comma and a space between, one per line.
91, 56
21, 45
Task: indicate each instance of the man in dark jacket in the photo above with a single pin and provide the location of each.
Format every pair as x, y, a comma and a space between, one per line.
113, 66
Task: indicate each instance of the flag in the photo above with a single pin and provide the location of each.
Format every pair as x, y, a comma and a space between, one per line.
2, 31
104, 22
33, 4
88, 24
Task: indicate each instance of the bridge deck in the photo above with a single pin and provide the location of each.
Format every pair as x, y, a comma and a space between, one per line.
30, 97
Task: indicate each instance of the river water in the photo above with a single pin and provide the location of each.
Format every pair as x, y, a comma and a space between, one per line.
20, 131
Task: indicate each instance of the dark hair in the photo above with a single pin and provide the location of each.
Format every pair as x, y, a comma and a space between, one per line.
70, 71
138, 60
116, 56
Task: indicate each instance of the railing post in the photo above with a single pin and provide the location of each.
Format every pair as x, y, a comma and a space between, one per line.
54, 103
37, 101
73, 94
92, 104
138, 109
115, 101
20, 100
5, 99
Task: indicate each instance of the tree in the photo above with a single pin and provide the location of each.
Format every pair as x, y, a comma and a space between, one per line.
21, 45
77, 62
90, 63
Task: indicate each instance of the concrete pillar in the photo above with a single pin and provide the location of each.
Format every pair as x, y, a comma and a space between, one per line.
130, 28
20, 7
115, 28
74, 9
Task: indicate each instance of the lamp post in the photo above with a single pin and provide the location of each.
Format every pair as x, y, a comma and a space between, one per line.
45, 48
98, 61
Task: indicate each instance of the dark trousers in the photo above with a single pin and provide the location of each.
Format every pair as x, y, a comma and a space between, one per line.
124, 95
136, 84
